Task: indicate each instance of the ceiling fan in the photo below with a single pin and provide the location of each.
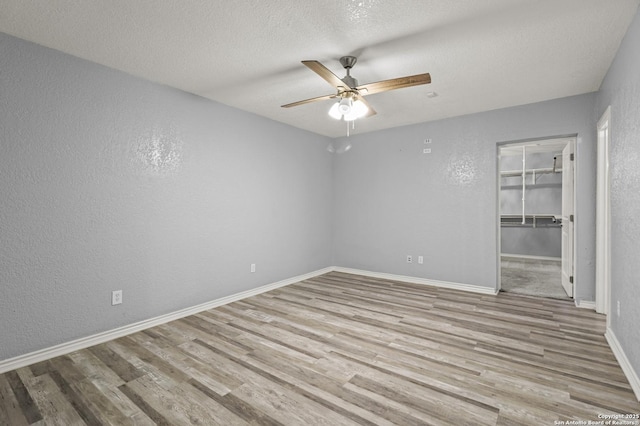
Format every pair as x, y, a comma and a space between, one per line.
351, 103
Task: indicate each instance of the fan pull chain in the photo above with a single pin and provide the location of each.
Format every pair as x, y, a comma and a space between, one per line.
353, 126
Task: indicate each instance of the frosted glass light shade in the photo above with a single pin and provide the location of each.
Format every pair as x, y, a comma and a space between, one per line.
359, 109
348, 110
345, 106
334, 112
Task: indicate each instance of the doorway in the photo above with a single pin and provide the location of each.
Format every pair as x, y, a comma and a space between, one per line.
536, 211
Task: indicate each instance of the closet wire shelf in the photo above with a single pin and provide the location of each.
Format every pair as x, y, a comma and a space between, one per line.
531, 220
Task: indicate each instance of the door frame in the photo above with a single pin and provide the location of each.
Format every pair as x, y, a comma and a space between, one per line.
568, 215
603, 216
571, 139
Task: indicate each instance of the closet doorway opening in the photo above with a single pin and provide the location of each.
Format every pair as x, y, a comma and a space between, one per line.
536, 211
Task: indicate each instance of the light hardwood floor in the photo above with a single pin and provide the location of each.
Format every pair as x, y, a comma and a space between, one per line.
338, 349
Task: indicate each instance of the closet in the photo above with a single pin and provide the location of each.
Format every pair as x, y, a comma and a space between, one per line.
531, 208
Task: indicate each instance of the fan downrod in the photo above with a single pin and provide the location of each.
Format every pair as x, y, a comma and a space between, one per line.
348, 62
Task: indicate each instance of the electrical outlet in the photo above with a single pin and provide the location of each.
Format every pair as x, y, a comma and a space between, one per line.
618, 308
428, 140
420, 260
116, 297
253, 267
426, 151
409, 258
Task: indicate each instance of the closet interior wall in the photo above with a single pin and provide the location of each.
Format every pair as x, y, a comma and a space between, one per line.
540, 208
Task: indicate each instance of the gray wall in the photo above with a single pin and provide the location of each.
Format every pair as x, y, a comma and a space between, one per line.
392, 200
543, 197
111, 182
621, 90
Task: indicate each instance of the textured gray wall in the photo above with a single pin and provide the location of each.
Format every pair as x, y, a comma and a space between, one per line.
545, 197
621, 90
111, 182
392, 200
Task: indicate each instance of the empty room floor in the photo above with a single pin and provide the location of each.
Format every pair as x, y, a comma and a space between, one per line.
532, 277
338, 349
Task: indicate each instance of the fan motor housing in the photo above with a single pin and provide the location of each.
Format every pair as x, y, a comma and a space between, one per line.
350, 81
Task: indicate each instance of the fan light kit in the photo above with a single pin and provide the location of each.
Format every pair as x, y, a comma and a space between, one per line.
351, 104
348, 110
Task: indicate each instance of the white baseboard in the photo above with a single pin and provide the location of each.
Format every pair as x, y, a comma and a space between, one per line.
627, 368
416, 280
527, 256
65, 348
84, 342
586, 304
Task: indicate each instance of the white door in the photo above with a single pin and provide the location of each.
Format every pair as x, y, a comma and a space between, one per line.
567, 219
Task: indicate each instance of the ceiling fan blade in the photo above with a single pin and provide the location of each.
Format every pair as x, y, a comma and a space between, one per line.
326, 74
371, 111
395, 83
306, 101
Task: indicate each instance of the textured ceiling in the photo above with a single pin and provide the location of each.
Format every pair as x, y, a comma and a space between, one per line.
482, 55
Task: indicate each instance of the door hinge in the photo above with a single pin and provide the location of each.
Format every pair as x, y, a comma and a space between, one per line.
571, 218
572, 157
571, 279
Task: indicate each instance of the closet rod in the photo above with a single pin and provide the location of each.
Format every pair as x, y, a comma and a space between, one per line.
512, 173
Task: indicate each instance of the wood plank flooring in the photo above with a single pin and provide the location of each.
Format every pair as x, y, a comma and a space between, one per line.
338, 349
